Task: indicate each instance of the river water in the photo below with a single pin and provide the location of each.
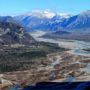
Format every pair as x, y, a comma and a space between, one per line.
75, 45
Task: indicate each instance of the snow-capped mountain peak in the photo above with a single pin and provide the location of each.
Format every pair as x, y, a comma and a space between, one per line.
85, 14
64, 15
46, 14
47, 20
41, 14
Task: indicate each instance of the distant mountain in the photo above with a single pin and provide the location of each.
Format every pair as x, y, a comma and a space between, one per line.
80, 21
13, 33
41, 14
53, 22
42, 20
33, 23
7, 19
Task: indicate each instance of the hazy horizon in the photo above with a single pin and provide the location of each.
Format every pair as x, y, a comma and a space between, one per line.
18, 7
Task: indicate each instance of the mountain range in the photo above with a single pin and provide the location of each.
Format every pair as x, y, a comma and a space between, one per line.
41, 20
16, 29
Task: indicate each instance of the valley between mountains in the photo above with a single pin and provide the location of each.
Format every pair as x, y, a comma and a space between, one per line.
36, 48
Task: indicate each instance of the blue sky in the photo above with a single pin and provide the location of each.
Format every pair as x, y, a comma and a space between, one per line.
14, 7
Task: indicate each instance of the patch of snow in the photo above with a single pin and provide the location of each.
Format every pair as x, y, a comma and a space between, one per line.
41, 14
64, 15
46, 14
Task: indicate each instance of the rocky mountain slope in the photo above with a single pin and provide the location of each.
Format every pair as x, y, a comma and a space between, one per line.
13, 33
